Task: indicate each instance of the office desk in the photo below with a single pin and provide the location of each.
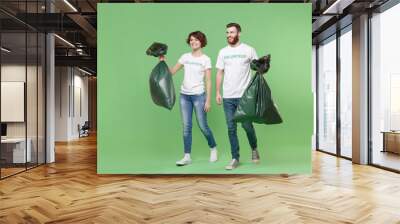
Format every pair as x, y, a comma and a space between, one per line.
15, 148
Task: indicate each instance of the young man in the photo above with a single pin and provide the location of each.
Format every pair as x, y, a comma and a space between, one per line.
233, 64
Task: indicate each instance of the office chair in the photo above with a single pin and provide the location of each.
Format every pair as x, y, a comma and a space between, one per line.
84, 130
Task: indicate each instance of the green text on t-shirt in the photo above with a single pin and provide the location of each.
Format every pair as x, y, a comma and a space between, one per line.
193, 63
234, 56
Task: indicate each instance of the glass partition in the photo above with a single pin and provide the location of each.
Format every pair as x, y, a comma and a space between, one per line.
327, 95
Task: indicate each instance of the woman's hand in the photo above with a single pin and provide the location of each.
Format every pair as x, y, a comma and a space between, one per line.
207, 106
218, 98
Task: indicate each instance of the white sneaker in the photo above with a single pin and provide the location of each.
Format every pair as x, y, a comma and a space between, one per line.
255, 156
213, 155
184, 161
232, 165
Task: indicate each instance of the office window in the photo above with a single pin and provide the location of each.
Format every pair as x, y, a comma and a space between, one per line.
346, 92
385, 88
327, 95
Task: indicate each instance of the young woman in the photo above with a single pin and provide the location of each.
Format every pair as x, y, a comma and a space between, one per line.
195, 94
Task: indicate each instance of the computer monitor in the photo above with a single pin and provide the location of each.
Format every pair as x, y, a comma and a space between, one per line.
3, 129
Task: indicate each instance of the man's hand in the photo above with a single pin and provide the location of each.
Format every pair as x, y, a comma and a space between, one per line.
220, 74
218, 98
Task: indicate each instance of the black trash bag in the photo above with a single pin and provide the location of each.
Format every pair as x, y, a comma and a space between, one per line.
256, 104
261, 65
157, 49
161, 84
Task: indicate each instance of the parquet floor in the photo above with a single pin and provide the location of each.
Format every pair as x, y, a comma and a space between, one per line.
70, 191
10, 171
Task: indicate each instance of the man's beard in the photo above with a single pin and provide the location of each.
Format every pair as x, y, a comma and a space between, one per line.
234, 41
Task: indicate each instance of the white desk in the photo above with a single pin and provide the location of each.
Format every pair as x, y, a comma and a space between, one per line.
19, 149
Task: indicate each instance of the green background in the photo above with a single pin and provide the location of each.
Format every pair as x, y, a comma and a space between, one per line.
137, 137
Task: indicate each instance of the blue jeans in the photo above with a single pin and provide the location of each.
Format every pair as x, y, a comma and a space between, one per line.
196, 102
230, 105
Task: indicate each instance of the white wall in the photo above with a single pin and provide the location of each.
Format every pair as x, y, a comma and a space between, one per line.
13, 72
13, 101
16, 72
9, 73
62, 81
70, 83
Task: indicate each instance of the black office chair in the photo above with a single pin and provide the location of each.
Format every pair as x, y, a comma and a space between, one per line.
84, 130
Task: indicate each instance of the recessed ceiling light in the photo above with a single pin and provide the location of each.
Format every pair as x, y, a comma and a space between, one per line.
5, 50
337, 7
64, 40
84, 71
70, 5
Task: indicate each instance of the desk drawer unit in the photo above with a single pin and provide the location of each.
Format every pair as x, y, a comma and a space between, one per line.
391, 142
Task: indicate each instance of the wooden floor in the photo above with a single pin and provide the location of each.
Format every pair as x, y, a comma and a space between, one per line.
387, 159
5, 172
70, 191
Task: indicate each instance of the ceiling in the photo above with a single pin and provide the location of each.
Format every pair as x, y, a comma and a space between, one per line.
76, 22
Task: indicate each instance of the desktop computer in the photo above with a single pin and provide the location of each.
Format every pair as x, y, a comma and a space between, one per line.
3, 130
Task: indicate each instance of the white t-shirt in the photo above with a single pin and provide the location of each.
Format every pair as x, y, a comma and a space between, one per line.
235, 61
194, 70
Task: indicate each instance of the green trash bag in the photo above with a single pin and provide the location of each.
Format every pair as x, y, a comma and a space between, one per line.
162, 88
256, 104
